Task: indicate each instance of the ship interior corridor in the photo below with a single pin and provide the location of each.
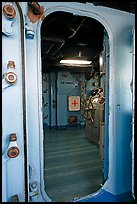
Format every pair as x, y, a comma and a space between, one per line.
74, 98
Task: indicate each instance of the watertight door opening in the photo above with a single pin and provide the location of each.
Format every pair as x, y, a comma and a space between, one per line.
74, 119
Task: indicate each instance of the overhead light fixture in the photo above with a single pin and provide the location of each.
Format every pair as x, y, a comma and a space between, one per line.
70, 61
101, 60
79, 60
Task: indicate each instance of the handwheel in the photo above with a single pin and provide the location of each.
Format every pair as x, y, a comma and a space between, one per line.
86, 108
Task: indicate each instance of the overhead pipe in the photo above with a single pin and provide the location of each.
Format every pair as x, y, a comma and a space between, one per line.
77, 29
69, 37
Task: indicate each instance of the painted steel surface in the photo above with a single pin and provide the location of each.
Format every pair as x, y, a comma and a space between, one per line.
119, 26
12, 110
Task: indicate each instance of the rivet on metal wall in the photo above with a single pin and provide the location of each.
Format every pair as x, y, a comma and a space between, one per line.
13, 152
9, 11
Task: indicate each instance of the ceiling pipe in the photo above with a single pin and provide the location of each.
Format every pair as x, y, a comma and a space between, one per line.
69, 37
77, 28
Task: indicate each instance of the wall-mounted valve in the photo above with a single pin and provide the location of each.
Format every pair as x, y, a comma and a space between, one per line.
87, 109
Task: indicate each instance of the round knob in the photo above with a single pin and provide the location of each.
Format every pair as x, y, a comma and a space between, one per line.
13, 152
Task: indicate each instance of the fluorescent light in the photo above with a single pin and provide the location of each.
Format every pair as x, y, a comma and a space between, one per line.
75, 62
101, 60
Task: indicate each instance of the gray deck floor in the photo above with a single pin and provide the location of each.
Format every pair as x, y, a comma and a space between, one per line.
73, 167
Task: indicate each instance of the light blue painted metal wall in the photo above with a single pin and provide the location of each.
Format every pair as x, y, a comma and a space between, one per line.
120, 101
13, 180
133, 113
68, 84
119, 90
62, 84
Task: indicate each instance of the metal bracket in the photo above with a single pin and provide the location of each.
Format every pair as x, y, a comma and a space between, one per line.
9, 78
34, 188
12, 150
9, 16
29, 29
7, 27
